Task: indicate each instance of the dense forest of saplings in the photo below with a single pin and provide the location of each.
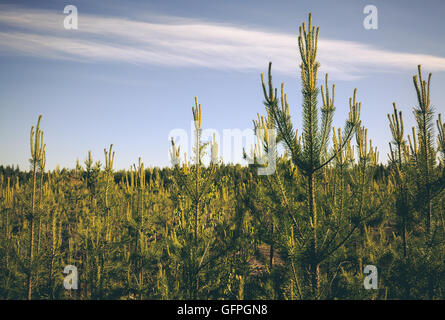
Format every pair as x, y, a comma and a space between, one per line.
216, 231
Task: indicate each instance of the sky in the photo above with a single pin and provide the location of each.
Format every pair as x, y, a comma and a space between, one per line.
129, 73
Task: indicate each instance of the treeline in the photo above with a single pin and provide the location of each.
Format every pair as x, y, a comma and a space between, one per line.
297, 225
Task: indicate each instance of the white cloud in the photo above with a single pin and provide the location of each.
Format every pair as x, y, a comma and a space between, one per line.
190, 43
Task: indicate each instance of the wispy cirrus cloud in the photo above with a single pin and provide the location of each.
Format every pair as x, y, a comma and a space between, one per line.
189, 43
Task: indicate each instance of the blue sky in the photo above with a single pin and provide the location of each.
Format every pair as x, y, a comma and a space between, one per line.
129, 74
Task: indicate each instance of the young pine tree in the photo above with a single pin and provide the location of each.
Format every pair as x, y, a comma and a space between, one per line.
308, 152
37, 151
